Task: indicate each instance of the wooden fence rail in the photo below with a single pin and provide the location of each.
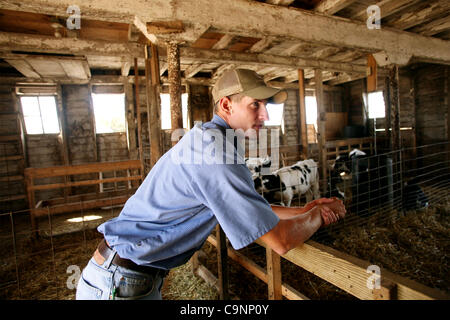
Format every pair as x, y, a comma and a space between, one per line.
346, 272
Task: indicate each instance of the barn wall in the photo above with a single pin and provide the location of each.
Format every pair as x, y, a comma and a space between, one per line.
430, 99
10, 187
80, 128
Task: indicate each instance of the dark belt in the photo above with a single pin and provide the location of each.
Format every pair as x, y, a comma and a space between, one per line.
105, 251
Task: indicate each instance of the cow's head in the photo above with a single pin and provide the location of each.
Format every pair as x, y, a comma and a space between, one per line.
340, 168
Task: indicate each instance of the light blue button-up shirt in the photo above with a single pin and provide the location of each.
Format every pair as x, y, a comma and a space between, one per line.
183, 198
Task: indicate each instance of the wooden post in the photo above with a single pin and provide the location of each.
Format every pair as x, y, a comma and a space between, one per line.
395, 107
302, 130
63, 135
321, 120
447, 103
138, 114
273, 274
387, 120
222, 261
174, 77
131, 125
412, 82
372, 77
153, 103
387, 291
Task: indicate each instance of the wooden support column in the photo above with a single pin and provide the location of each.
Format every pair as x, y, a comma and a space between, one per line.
153, 102
274, 274
131, 124
321, 120
222, 261
174, 77
387, 120
138, 114
302, 130
63, 135
395, 107
372, 76
447, 103
412, 81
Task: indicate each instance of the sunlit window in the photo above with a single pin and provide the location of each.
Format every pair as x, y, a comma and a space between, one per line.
166, 123
40, 114
311, 110
376, 105
275, 112
109, 112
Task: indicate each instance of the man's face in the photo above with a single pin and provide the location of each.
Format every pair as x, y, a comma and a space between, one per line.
248, 114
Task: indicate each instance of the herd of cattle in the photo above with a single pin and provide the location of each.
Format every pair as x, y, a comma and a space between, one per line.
351, 178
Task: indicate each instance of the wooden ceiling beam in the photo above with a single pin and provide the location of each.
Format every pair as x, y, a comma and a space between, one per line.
247, 20
280, 2
332, 6
420, 14
261, 59
34, 43
387, 8
434, 27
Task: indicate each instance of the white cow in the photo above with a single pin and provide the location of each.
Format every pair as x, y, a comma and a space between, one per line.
283, 184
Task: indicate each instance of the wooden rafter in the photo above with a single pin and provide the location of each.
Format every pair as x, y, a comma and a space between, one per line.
21, 42
297, 24
332, 6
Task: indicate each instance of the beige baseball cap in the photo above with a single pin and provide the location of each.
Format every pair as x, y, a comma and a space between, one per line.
247, 82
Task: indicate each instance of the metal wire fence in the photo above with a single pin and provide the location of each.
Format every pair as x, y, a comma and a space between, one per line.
379, 187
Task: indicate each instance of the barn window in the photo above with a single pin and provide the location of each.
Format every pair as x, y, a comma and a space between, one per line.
275, 112
376, 105
311, 110
165, 111
40, 115
109, 112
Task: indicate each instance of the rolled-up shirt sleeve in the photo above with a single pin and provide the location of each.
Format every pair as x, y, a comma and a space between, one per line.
228, 190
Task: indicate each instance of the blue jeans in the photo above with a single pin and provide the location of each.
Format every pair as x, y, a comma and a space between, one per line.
111, 282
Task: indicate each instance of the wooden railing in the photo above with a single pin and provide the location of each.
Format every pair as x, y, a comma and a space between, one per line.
71, 176
340, 269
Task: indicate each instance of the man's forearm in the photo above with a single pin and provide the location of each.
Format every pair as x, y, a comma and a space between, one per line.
288, 212
289, 233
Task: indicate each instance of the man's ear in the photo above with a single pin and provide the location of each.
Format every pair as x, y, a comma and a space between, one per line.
226, 105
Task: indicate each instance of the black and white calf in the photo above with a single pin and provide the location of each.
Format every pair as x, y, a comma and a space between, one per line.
283, 184
257, 165
340, 180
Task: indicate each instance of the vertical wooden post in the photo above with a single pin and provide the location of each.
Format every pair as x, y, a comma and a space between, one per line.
395, 107
138, 114
447, 103
412, 81
372, 77
153, 102
63, 135
174, 77
131, 125
222, 261
321, 120
92, 120
273, 274
387, 120
302, 130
